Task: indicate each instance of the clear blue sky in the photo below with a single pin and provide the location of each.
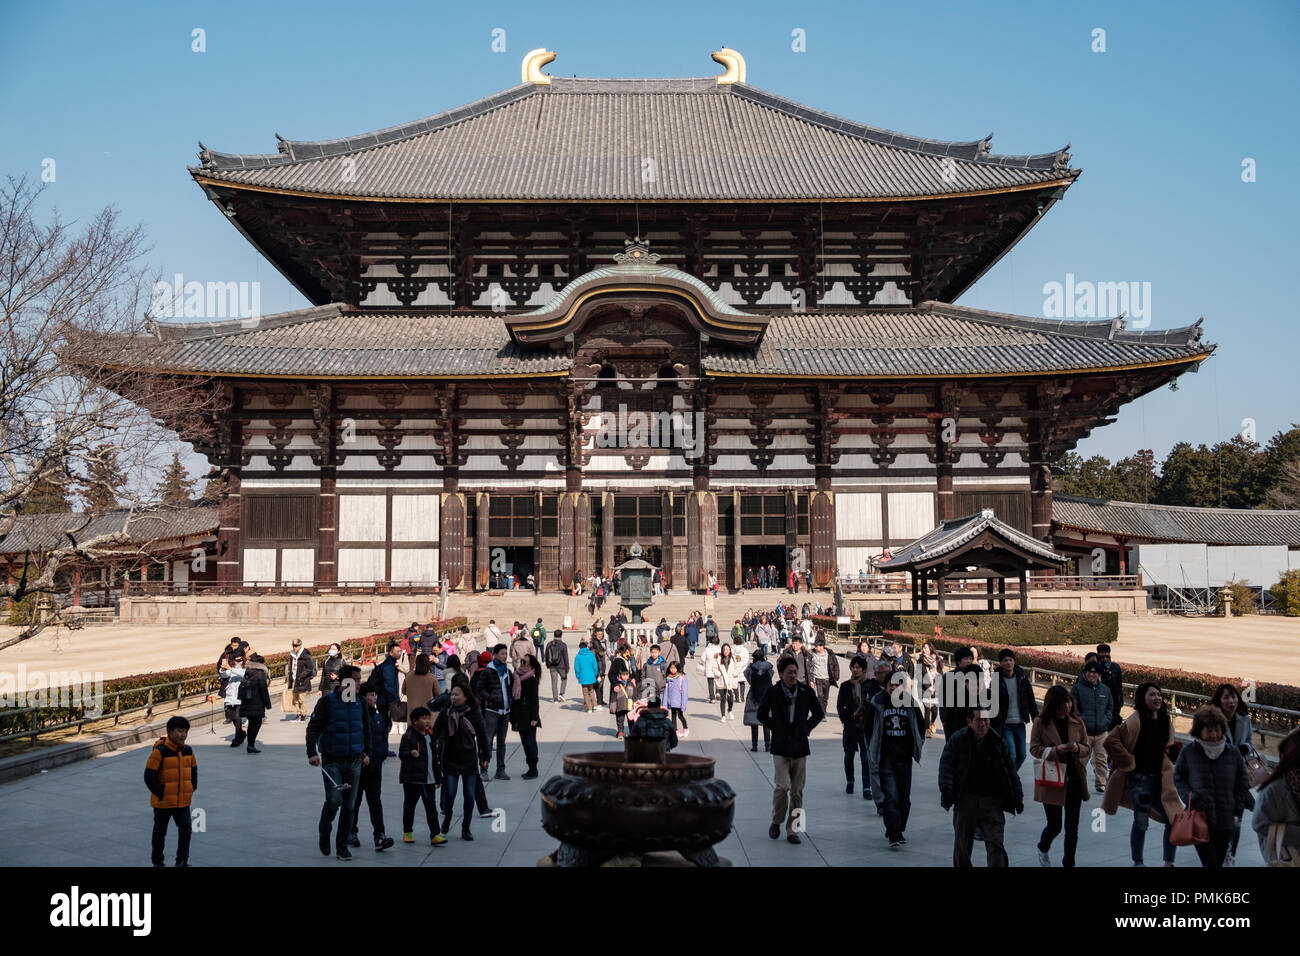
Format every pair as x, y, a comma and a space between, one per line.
1160, 124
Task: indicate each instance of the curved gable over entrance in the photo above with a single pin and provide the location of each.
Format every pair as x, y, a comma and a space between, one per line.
638, 275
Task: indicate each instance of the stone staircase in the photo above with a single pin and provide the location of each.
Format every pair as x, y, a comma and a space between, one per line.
553, 607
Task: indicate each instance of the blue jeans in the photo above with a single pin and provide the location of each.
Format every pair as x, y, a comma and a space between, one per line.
1014, 737
895, 780
1144, 794
344, 771
453, 783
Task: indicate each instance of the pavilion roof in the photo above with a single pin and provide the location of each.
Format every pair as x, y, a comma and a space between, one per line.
588, 140
953, 534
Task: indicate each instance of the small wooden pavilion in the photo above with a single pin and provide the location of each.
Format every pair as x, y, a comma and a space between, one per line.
977, 546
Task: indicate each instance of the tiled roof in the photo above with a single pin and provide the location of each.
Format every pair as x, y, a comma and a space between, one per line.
933, 339
955, 532
1169, 523
331, 342
44, 532
589, 139
940, 339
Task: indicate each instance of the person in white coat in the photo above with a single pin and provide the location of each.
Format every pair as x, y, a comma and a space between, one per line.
728, 679
708, 666
232, 671
741, 653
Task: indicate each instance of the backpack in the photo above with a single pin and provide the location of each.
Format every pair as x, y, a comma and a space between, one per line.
537, 634
553, 655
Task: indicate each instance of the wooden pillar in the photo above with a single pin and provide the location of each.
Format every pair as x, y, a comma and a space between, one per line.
737, 568
916, 594
607, 533
568, 560
451, 534
1024, 592
925, 592
76, 587
482, 554
666, 541
939, 582
791, 536
821, 526
1043, 403
9, 578
584, 550
229, 515
1123, 555
1002, 595
701, 537
989, 591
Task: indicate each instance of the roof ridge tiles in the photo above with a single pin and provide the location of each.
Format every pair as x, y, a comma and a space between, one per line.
185, 331
1098, 329
1108, 502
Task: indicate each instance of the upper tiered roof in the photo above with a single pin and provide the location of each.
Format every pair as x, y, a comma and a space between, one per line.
590, 139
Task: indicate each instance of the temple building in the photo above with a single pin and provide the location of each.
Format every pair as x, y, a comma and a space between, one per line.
582, 313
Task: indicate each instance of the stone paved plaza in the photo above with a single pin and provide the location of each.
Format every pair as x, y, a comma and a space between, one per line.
262, 810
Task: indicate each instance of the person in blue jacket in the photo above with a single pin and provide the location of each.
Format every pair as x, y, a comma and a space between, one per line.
372, 776
586, 670
385, 677
340, 726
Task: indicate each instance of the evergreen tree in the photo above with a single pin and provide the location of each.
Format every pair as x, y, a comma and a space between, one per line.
1135, 477
47, 497
103, 479
1188, 477
176, 487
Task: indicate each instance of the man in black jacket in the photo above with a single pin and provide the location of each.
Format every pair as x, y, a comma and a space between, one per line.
849, 705
1113, 678
979, 784
791, 711
802, 658
298, 673
1015, 710
340, 726
960, 690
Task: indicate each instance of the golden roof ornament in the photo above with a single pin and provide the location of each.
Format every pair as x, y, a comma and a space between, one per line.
636, 252
531, 69
735, 64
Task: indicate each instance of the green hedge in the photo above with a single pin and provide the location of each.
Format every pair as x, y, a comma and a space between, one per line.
1021, 630
1169, 678
877, 622
195, 680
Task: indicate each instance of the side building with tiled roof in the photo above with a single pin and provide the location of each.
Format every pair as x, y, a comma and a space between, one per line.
1177, 548
583, 313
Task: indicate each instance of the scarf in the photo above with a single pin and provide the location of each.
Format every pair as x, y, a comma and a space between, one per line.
1213, 750
522, 673
454, 718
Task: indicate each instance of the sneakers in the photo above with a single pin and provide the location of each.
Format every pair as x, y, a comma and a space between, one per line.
501, 775
482, 813
465, 835
1229, 860
561, 700
901, 839
774, 831
437, 840
384, 842
754, 749
355, 839
793, 838
324, 842
620, 735
1044, 859
867, 794
302, 718
686, 732
530, 775
1100, 788
254, 750
344, 854
408, 837
848, 788
895, 843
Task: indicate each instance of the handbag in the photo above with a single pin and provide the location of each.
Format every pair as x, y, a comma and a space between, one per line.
1257, 769
1189, 827
1276, 852
1048, 773
397, 711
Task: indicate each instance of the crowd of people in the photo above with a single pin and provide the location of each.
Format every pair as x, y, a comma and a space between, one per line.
454, 705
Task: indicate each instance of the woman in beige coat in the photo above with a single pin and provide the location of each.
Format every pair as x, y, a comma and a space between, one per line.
420, 686
1058, 733
1142, 775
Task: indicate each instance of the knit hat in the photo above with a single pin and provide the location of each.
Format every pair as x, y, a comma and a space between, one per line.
484, 658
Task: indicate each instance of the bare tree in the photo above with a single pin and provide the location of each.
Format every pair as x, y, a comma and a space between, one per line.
76, 344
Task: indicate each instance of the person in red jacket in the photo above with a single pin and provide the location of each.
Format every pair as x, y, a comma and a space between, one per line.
172, 775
